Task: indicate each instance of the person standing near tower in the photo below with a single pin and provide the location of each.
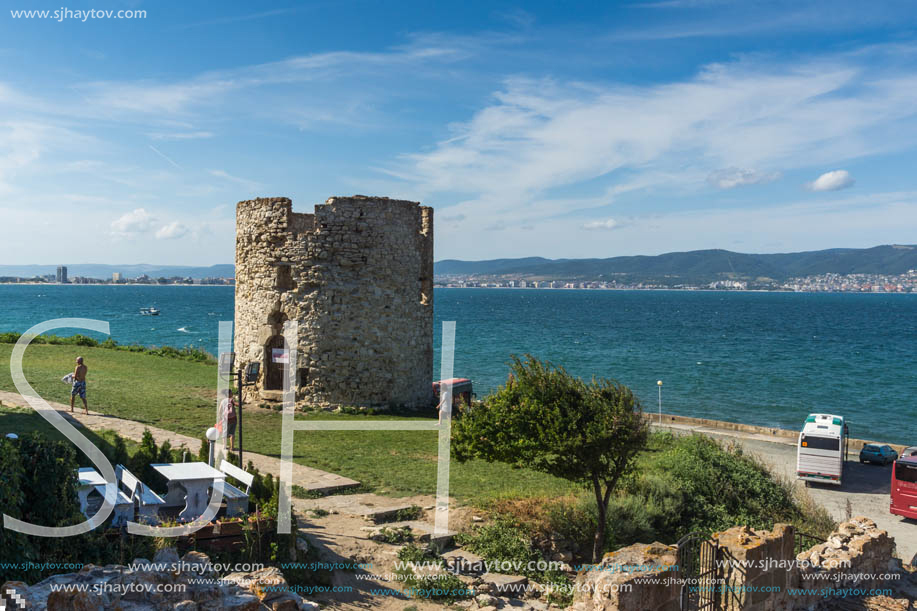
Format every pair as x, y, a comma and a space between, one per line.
79, 384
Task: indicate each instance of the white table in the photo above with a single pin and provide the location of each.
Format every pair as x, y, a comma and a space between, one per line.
189, 484
89, 480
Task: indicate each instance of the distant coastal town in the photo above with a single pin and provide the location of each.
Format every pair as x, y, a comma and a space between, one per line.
61, 277
821, 283
834, 283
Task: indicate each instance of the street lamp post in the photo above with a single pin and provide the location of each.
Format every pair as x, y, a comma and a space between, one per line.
659, 384
245, 377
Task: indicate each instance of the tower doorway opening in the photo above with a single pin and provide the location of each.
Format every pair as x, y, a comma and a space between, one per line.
273, 370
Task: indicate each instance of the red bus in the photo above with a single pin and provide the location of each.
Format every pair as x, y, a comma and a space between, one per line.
904, 484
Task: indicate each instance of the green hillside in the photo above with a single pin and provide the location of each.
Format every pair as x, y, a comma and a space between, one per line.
695, 266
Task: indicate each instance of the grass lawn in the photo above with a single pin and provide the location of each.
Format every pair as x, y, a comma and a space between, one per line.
180, 396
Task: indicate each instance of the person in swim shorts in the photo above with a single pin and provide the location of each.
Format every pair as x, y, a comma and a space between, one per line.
79, 384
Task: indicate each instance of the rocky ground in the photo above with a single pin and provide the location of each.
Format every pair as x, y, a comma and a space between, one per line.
346, 529
168, 582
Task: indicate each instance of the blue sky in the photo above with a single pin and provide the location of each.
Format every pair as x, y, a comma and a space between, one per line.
552, 129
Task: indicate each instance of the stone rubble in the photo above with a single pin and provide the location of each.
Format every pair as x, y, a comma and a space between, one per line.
128, 589
761, 570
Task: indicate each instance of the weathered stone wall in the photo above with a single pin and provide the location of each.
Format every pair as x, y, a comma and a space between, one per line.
757, 567
855, 557
357, 276
639, 577
757, 571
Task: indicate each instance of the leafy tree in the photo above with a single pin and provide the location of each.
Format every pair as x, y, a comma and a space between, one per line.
547, 420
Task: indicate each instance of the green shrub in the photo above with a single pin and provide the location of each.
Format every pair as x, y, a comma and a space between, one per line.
725, 487
686, 484
681, 484
394, 536
263, 489
504, 540
38, 485
203, 452
12, 474
414, 512
188, 353
419, 554
444, 587
146, 455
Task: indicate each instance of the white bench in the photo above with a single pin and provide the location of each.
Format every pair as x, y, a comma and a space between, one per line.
236, 500
145, 500
91, 490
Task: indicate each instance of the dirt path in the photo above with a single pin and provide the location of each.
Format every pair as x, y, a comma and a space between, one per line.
865, 487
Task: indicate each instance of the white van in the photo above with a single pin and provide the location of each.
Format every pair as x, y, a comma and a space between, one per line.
822, 449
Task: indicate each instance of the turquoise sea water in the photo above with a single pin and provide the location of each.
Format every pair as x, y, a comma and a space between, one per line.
758, 358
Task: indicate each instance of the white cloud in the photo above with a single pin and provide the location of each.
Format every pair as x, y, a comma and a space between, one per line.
605, 225
512, 158
24, 142
831, 181
171, 231
132, 223
150, 97
730, 178
853, 221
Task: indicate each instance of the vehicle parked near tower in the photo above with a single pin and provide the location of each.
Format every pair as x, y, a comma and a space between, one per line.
904, 485
879, 454
822, 449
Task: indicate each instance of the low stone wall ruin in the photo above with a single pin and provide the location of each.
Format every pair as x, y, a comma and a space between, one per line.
755, 571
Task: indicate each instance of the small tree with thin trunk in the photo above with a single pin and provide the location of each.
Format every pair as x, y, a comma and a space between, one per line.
547, 420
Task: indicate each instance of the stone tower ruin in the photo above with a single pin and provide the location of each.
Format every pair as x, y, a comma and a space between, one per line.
357, 275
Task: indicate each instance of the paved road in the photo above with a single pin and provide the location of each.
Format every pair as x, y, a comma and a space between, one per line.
866, 487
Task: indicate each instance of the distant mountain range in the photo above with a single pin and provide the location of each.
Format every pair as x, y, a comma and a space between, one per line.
670, 268
694, 266
92, 270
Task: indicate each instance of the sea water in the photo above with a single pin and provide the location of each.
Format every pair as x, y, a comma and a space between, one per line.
759, 358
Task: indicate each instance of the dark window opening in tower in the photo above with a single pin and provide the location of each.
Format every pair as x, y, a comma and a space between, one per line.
284, 278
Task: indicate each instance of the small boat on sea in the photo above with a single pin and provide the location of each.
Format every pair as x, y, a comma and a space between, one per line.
149, 311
